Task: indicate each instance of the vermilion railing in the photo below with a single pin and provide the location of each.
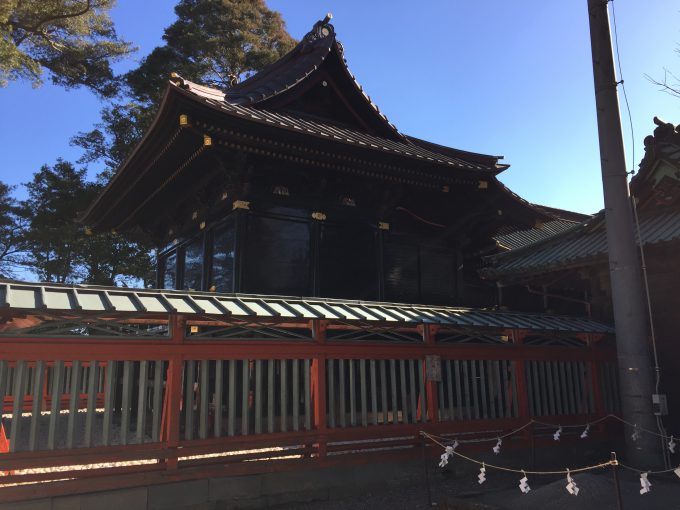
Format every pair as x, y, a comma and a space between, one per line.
190, 398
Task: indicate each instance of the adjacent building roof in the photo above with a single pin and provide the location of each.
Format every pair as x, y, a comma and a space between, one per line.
577, 246
39, 298
511, 238
564, 244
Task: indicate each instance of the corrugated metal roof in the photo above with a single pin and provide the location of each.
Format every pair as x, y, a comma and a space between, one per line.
577, 246
39, 297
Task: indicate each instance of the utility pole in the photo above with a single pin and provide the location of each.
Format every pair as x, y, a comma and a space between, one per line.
632, 341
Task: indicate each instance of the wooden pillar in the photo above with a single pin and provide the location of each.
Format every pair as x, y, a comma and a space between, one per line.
318, 389
173, 391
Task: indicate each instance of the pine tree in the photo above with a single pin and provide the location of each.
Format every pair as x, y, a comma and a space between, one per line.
60, 250
12, 233
210, 41
74, 40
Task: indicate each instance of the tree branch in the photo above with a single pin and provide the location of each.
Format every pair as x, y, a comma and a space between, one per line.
35, 29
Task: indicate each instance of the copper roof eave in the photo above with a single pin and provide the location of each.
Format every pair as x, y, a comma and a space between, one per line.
89, 216
263, 117
295, 67
580, 246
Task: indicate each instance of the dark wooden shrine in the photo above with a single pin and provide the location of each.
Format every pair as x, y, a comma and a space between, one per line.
294, 183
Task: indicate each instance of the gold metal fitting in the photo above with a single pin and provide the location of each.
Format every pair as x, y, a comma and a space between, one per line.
383, 225
88, 231
240, 204
184, 120
201, 225
317, 215
207, 141
483, 185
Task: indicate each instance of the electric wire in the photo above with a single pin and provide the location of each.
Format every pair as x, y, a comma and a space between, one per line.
623, 85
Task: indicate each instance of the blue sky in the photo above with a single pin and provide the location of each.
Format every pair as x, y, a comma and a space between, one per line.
510, 78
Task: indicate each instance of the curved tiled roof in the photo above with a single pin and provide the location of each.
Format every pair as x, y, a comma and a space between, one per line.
294, 67
216, 99
512, 238
577, 246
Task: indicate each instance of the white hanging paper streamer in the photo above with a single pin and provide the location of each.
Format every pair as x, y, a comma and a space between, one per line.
677, 471
557, 434
572, 488
584, 434
644, 483
482, 475
497, 448
635, 435
671, 445
523, 484
448, 451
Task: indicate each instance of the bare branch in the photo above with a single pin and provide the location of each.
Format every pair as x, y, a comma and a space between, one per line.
672, 89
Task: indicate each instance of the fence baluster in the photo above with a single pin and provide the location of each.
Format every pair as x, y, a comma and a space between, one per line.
157, 400
383, 392
308, 394
18, 392
141, 400
393, 383
128, 370
483, 388
38, 381
109, 399
231, 411
74, 402
283, 364
57, 377
342, 393
92, 378
362, 389
414, 398
330, 371
352, 395
270, 396
374, 392
258, 396
204, 391
404, 392
295, 402
475, 387
245, 397
219, 391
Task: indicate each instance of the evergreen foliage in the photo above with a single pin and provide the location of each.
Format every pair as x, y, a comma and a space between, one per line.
210, 42
74, 40
58, 249
12, 233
